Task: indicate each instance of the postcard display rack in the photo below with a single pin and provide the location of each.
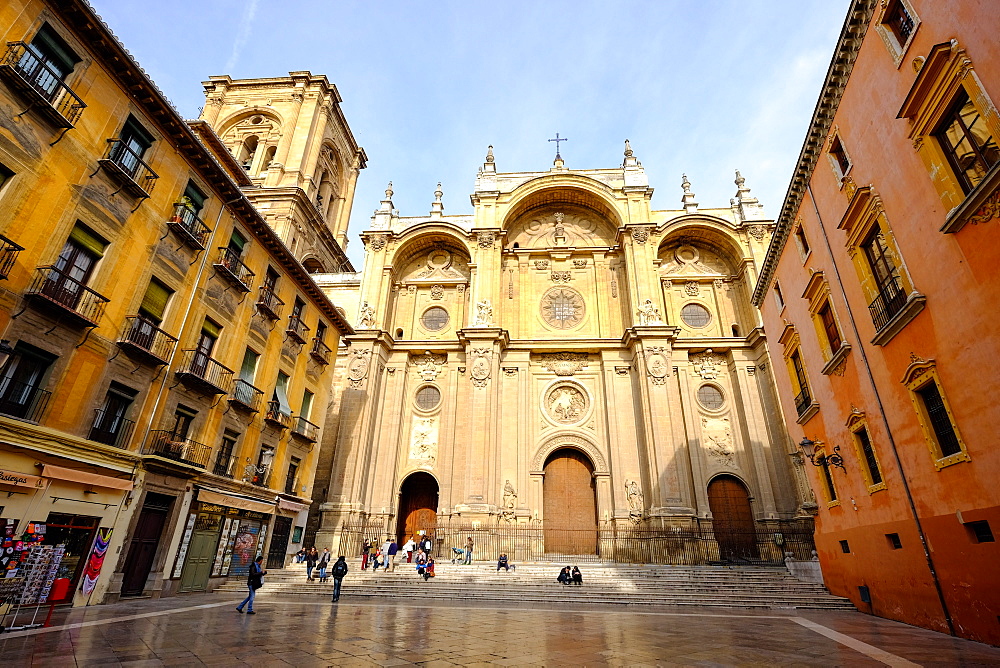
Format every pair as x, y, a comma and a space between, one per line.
29, 569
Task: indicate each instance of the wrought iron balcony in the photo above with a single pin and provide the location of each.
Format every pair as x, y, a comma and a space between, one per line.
164, 443
305, 429
320, 351
245, 396
186, 224
128, 167
54, 290
111, 429
802, 401
226, 467
296, 330
8, 255
268, 303
41, 85
233, 270
261, 478
275, 417
22, 400
890, 300
200, 372
147, 341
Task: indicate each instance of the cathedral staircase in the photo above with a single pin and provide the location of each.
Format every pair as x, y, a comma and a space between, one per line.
626, 584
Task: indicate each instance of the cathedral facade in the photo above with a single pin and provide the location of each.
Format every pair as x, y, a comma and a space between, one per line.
564, 358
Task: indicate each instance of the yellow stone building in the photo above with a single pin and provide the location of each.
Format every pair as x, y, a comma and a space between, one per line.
166, 358
565, 360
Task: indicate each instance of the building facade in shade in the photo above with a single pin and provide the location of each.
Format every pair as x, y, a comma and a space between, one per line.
166, 359
564, 358
876, 292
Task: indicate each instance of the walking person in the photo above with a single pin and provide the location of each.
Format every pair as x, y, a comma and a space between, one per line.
312, 556
324, 561
385, 553
365, 549
339, 571
468, 552
392, 551
255, 580
409, 546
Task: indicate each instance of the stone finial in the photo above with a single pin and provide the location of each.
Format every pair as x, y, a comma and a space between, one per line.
685, 184
437, 207
628, 149
739, 180
438, 193
687, 199
388, 191
747, 206
489, 154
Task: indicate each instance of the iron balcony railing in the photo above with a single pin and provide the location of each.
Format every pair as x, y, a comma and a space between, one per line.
144, 337
138, 178
802, 401
320, 351
276, 416
58, 289
297, 330
268, 303
890, 300
186, 224
164, 443
22, 400
233, 270
31, 74
8, 255
225, 467
111, 429
246, 395
204, 373
306, 429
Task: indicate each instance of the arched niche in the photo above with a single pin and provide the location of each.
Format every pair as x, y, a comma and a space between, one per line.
430, 277
589, 217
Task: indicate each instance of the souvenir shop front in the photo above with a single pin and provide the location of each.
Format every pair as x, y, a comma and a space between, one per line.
223, 534
75, 510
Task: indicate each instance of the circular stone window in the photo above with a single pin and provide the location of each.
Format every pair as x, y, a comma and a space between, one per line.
710, 397
434, 319
428, 397
562, 308
695, 315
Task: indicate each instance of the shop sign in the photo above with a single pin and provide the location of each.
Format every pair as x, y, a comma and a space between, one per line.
211, 508
21, 479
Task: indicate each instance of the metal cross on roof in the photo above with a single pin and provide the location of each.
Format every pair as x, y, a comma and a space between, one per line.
557, 140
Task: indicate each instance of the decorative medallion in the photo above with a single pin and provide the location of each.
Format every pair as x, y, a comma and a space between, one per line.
757, 232
428, 365
437, 291
481, 363
485, 239
566, 403
541, 265
657, 364
580, 264
718, 439
707, 364
423, 439
640, 235
562, 308
691, 288
377, 242
561, 276
563, 364
357, 369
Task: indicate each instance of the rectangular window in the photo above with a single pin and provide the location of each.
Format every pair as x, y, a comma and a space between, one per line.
841, 162
281, 394
828, 484
845, 547
801, 242
237, 242
870, 462
307, 401
249, 367
183, 417
297, 309
224, 461
133, 142
899, 22
940, 421
320, 331
270, 279
290, 476
980, 532
5, 175
154, 302
111, 427
802, 398
21, 381
53, 51
193, 198
967, 142
894, 542
778, 297
833, 339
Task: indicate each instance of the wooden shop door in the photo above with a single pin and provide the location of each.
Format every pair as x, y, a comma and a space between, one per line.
144, 543
732, 519
569, 494
418, 502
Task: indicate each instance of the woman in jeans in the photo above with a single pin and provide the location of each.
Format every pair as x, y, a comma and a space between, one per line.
255, 580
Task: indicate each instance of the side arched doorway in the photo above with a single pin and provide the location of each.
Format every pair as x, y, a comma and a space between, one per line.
732, 518
418, 502
569, 501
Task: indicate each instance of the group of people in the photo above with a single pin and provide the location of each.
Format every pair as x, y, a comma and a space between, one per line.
567, 576
415, 548
315, 560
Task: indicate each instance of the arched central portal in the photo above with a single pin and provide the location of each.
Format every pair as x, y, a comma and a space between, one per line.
418, 502
569, 498
732, 518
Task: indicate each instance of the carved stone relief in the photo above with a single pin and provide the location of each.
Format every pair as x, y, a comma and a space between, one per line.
566, 403
580, 264
718, 439
657, 364
509, 502
484, 314
561, 276
640, 235
649, 314
481, 366
485, 239
357, 368
565, 363
691, 288
635, 501
366, 316
437, 291
541, 265
428, 366
424, 440
707, 364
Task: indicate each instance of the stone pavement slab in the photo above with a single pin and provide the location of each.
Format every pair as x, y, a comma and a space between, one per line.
206, 630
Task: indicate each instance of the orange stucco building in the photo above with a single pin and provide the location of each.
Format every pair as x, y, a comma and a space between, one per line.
876, 294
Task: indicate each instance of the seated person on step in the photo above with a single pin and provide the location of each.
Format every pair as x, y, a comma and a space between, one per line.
577, 576
503, 563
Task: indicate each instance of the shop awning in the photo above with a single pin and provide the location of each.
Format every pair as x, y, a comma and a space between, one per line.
285, 504
231, 501
85, 478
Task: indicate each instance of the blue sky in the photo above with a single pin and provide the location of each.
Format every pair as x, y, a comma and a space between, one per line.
702, 88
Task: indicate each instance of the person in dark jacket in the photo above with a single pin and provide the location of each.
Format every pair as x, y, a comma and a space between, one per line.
324, 562
366, 548
339, 571
255, 580
565, 576
577, 576
391, 553
312, 556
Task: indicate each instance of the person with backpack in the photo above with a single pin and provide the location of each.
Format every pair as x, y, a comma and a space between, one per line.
255, 580
339, 571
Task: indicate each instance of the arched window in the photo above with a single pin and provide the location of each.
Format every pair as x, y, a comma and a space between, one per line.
269, 156
247, 151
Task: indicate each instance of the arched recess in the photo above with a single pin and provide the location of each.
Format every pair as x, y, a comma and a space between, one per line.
418, 504
569, 211
568, 189
313, 265
569, 439
569, 503
252, 136
732, 518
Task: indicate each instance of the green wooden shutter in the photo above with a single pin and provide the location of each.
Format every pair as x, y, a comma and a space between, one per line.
154, 302
88, 239
212, 329
249, 366
194, 195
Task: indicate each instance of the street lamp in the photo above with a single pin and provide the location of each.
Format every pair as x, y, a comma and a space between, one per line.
808, 448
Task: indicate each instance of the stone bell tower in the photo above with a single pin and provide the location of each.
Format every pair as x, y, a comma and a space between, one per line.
290, 136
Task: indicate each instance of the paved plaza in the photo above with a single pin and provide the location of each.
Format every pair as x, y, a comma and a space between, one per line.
205, 629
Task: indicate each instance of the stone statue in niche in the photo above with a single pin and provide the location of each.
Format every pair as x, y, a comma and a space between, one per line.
635, 502
484, 314
366, 318
567, 404
648, 313
509, 503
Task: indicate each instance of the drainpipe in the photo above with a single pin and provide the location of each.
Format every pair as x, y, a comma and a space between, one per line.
885, 421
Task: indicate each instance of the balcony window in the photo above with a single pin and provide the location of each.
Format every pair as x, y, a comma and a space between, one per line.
21, 380
279, 412
38, 70
297, 330
63, 286
225, 462
268, 303
803, 399
245, 395
186, 222
968, 143
230, 265
167, 444
110, 426
8, 255
124, 159
292, 474
260, 475
199, 370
